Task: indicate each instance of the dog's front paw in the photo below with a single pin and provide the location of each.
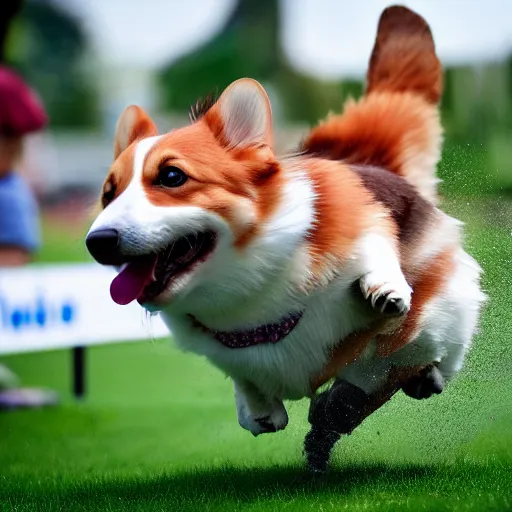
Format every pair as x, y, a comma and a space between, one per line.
276, 418
390, 298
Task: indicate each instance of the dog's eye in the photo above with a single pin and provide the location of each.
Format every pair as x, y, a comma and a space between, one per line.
171, 176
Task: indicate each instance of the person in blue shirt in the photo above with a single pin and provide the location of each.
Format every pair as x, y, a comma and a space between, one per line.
19, 219
21, 113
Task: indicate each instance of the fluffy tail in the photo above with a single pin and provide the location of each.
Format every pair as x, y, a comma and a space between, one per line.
396, 124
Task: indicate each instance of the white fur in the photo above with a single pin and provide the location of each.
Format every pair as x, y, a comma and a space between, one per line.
419, 163
448, 325
255, 411
443, 229
261, 286
268, 280
382, 276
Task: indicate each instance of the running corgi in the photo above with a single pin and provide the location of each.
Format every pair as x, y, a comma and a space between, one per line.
258, 262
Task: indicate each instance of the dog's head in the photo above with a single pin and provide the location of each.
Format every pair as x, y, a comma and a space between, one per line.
180, 208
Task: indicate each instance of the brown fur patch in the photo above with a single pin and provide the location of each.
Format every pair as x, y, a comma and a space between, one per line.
404, 57
411, 212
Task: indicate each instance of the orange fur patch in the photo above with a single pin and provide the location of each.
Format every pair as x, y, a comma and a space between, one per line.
377, 131
344, 209
220, 181
348, 351
396, 125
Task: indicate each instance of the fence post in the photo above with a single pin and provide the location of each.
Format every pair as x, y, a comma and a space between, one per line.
79, 369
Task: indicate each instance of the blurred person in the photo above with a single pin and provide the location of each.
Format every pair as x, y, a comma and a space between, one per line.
21, 113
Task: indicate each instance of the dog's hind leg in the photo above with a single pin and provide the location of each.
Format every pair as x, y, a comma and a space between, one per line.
428, 382
332, 413
344, 407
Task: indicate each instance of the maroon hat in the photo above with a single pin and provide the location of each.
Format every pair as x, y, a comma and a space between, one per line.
21, 112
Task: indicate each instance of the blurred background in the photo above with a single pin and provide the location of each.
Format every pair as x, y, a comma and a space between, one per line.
150, 409
88, 59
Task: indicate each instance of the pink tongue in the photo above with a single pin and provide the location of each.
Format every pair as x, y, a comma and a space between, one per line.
131, 281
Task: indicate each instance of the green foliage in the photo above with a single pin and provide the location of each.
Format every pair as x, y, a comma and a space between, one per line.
8, 10
48, 46
63, 242
477, 101
475, 169
247, 46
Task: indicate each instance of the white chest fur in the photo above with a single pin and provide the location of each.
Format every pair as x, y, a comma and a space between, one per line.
262, 287
282, 370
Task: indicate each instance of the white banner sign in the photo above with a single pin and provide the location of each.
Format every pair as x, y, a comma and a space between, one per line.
59, 306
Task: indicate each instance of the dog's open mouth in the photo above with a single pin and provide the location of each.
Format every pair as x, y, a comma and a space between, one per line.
144, 278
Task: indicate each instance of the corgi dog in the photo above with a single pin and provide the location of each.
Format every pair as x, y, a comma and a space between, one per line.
331, 263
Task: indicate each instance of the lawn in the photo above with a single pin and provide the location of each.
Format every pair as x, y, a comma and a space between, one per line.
158, 429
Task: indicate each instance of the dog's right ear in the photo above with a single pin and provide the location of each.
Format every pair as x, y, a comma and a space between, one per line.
133, 124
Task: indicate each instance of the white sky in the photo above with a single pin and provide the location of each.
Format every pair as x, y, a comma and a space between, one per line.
329, 38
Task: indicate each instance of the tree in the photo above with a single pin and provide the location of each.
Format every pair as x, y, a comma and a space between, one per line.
48, 49
8, 10
249, 44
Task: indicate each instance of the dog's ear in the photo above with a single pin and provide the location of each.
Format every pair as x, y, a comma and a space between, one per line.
404, 57
133, 124
242, 117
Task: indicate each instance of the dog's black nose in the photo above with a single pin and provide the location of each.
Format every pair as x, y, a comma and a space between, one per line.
103, 244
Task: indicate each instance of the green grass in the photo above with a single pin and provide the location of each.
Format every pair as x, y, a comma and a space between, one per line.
62, 242
158, 428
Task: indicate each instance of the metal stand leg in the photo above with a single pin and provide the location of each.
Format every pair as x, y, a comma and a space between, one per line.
79, 372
